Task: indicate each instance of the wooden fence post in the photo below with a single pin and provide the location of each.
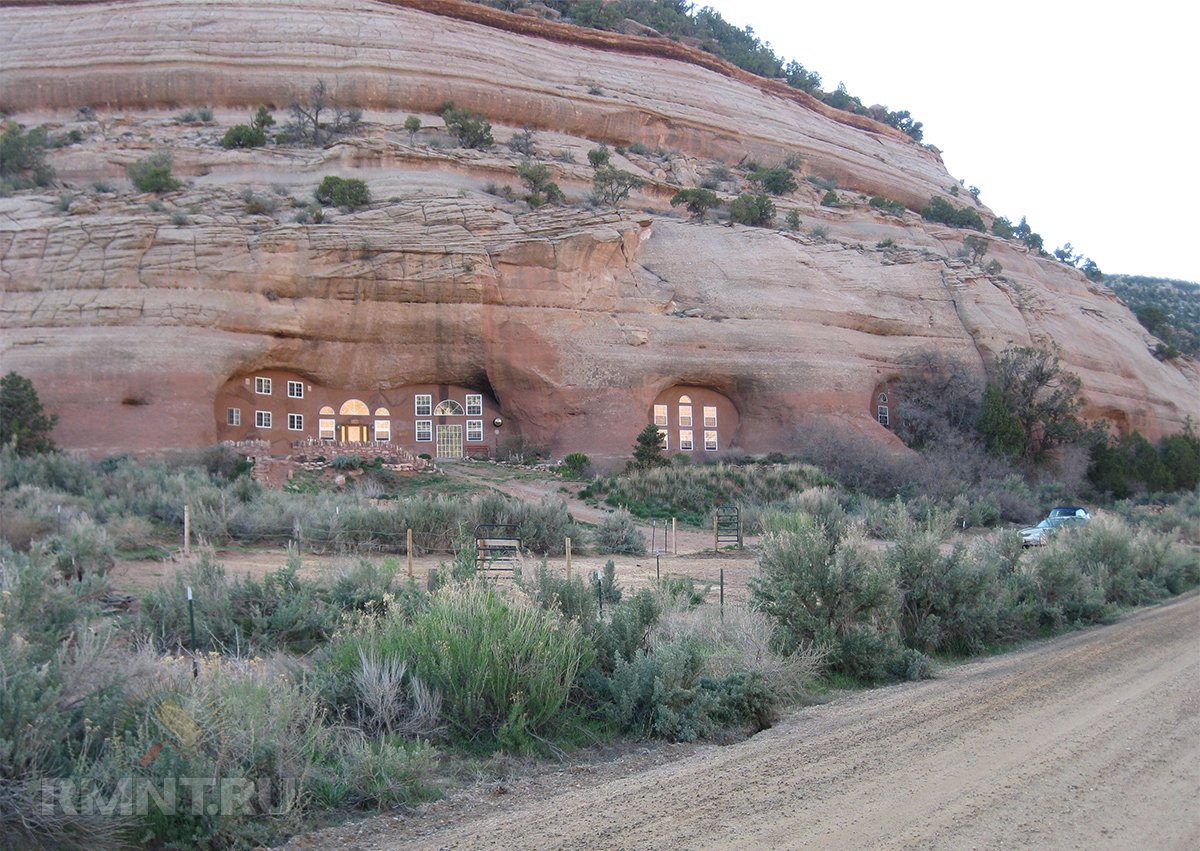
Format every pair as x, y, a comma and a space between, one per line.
187, 531
409, 551
568, 559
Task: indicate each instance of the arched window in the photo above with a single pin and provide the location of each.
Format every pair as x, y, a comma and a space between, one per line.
382, 412
327, 411
448, 408
354, 408
685, 400
883, 398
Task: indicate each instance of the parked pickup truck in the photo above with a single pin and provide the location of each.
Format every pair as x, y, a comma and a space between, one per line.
1063, 515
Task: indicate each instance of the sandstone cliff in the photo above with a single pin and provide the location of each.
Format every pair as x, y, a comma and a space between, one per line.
574, 318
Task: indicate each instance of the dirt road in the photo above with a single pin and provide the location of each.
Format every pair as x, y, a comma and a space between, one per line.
1088, 741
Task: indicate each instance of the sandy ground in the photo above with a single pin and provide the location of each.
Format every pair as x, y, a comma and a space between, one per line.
1088, 741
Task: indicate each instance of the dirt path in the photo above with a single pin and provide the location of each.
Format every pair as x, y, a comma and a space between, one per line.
1087, 741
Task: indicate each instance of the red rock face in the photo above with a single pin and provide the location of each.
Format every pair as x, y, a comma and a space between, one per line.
574, 320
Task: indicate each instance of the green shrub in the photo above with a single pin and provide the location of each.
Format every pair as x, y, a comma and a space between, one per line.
152, 173
611, 185
941, 210
887, 205
24, 424
23, 156
753, 210
830, 199
775, 181
82, 549
598, 157
576, 465
469, 128
347, 193
697, 201
243, 136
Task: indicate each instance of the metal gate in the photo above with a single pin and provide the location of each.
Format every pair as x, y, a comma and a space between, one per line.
727, 526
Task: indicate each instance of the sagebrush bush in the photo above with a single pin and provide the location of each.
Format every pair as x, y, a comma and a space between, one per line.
832, 592
453, 648
618, 533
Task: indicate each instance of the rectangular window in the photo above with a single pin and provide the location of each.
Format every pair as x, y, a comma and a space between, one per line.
383, 431
262, 386
666, 441
685, 415
710, 416
474, 405
660, 415
295, 422
233, 416
262, 419
710, 441
325, 429
424, 405
474, 430
295, 389
685, 441
883, 415
424, 430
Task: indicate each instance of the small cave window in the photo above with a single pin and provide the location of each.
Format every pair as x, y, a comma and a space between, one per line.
883, 398
448, 408
881, 413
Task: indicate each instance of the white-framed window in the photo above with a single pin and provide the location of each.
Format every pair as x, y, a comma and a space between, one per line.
474, 405
474, 431
295, 389
882, 415
233, 416
710, 441
664, 439
685, 415
424, 405
448, 408
685, 441
262, 386
710, 416
325, 429
383, 431
660, 415
262, 419
424, 431
295, 422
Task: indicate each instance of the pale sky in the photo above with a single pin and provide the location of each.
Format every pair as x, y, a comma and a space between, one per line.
1079, 116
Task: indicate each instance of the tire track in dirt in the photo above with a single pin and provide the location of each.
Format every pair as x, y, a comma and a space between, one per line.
1091, 740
